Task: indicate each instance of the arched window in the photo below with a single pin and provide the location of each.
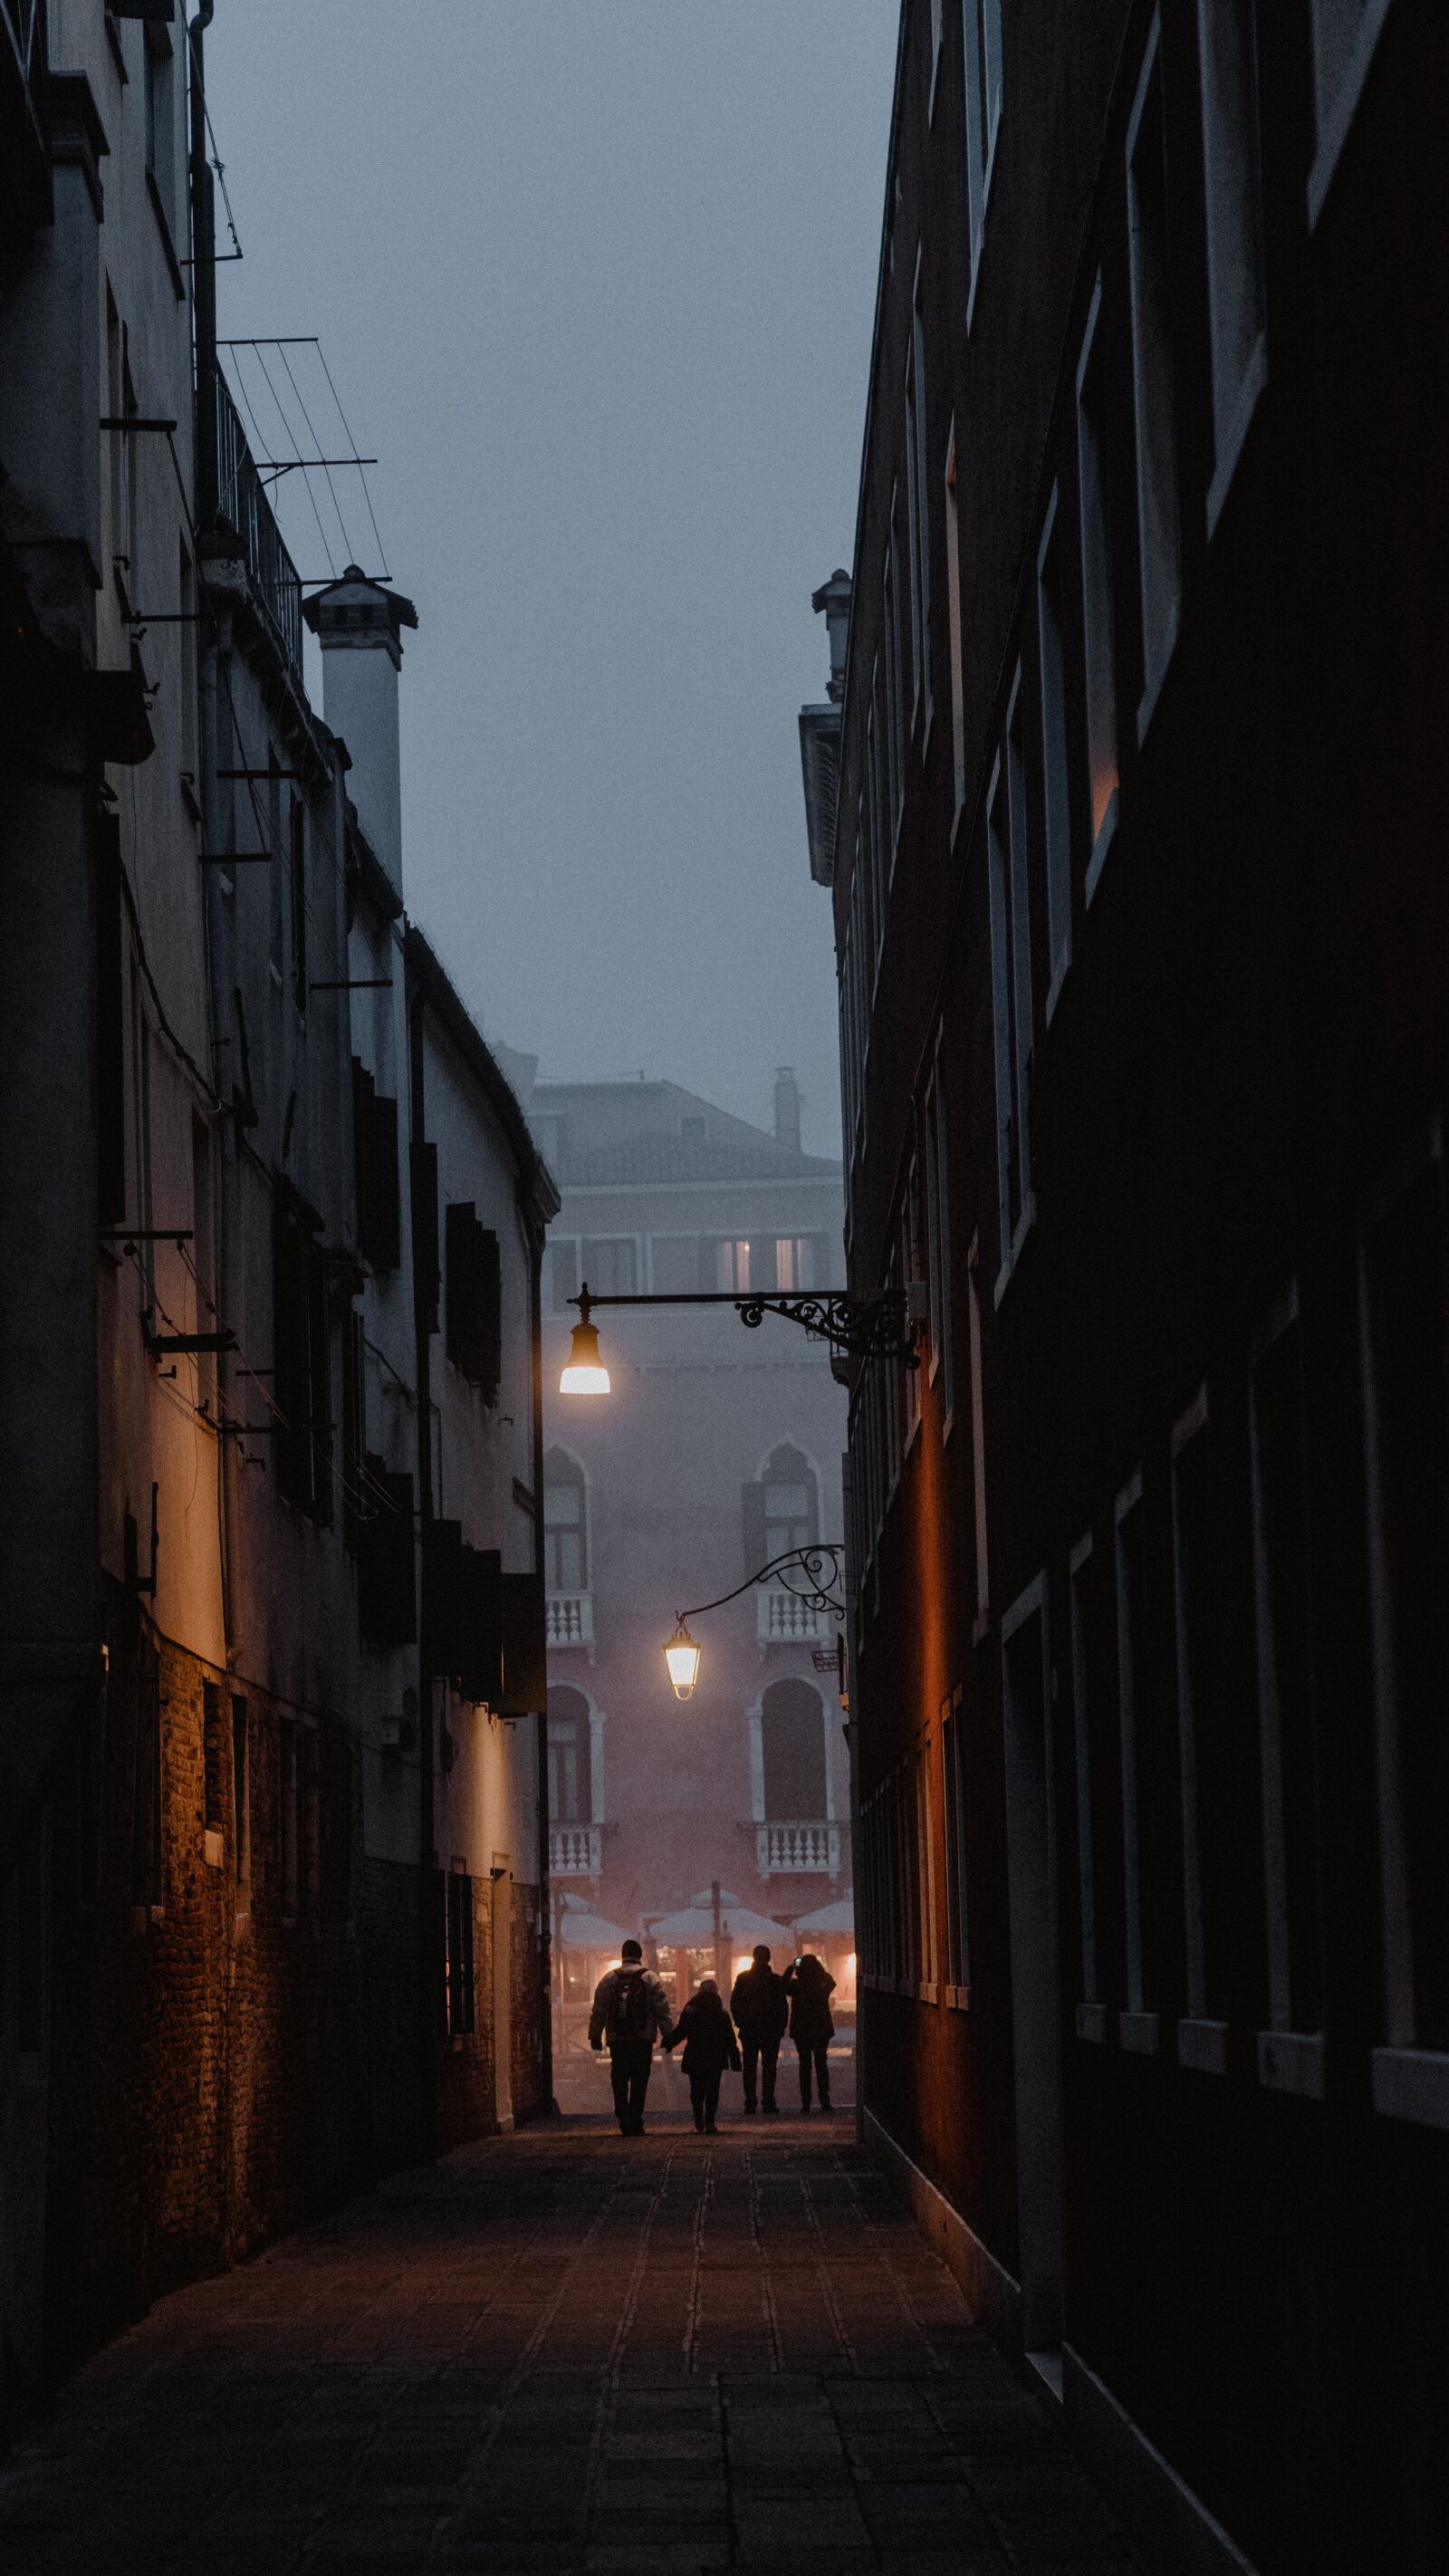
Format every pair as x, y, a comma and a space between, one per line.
792, 1737
565, 1524
792, 1504
570, 1783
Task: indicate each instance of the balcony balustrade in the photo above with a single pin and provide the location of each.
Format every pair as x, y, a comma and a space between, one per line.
575, 1851
785, 1849
242, 501
785, 1620
569, 1619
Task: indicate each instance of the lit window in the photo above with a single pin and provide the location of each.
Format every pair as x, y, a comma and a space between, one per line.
732, 1263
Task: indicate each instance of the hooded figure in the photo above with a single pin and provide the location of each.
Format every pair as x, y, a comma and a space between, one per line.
761, 2009
810, 1985
629, 2006
709, 2047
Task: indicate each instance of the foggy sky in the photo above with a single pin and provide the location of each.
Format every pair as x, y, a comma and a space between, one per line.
595, 281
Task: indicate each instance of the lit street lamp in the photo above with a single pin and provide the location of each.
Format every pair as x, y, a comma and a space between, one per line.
871, 1328
681, 1657
820, 1567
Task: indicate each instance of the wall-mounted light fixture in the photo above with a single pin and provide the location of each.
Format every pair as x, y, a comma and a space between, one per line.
871, 1328
817, 1587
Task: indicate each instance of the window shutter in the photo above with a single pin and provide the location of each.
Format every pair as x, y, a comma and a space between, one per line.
480, 1638
474, 1299
387, 1601
756, 1545
524, 1678
363, 1089
384, 1196
423, 1183
290, 1353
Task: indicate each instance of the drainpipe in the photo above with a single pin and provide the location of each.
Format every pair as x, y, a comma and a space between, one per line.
427, 1948
545, 1891
203, 277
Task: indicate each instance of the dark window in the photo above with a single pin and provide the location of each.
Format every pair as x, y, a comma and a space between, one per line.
674, 1260
214, 1754
953, 1788
474, 1300
458, 2001
791, 1503
565, 1524
570, 1784
792, 1732
610, 1265
563, 1272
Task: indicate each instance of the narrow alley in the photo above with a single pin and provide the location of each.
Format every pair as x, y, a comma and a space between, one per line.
564, 2350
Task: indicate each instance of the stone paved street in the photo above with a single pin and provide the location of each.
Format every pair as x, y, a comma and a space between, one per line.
565, 2350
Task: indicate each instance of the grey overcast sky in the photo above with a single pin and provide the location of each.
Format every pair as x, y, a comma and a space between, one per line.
594, 280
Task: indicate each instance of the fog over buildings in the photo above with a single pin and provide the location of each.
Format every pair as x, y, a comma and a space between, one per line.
607, 335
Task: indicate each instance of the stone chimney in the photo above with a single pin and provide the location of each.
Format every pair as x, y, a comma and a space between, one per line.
834, 599
787, 1109
359, 626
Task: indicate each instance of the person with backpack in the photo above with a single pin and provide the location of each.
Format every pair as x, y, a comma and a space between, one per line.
709, 2047
810, 1985
761, 2010
630, 2004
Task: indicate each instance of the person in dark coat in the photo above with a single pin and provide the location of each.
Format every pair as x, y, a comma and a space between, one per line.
629, 2006
709, 2047
810, 1985
761, 2010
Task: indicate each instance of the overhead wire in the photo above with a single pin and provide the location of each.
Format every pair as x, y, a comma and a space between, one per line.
326, 469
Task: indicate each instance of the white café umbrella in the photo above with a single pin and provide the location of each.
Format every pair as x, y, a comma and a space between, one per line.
827, 1920
692, 1928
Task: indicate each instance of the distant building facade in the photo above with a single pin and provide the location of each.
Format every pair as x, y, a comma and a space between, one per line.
717, 1451
1130, 817
272, 1839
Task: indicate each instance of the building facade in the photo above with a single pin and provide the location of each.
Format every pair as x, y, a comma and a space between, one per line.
271, 1671
717, 1451
1140, 935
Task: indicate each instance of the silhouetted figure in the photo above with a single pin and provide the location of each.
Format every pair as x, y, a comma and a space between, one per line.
629, 2006
709, 2047
810, 1985
761, 2010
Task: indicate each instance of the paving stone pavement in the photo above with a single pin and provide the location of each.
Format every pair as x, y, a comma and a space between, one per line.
566, 2350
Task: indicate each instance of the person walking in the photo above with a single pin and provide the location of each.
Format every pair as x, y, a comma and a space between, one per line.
629, 2006
709, 2047
761, 2010
810, 1985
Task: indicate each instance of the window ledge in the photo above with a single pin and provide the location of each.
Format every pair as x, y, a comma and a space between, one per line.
1245, 405
926, 1991
1106, 834
1203, 2045
1092, 2023
1140, 2032
958, 1998
1335, 134
1291, 2061
1411, 2084
213, 1846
